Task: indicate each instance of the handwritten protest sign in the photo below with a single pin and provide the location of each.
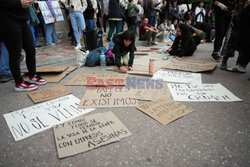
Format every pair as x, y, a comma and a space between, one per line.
29, 121
48, 18
201, 93
191, 66
85, 133
176, 76
105, 97
48, 94
165, 110
98, 79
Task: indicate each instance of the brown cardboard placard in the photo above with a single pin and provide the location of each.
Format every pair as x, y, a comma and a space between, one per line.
85, 133
50, 69
191, 66
98, 80
108, 97
141, 54
48, 94
165, 110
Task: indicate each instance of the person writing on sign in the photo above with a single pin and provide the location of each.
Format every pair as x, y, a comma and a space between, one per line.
124, 49
16, 34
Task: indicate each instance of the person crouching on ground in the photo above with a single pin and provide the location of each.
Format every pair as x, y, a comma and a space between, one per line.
124, 50
184, 44
164, 30
148, 33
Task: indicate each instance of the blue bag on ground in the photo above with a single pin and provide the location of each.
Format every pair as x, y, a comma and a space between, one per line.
93, 58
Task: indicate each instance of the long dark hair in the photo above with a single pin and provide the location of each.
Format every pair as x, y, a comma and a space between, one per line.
185, 31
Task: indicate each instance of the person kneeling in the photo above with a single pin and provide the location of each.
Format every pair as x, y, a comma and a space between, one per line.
184, 44
148, 33
123, 50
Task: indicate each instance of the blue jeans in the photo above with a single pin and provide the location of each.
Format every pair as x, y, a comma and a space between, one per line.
33, 33
4, 61
50, 34
78, 22
90, 24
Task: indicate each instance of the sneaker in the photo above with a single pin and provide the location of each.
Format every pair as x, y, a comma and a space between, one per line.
154, 43
237, 68
78, 47
37, 80
25, 86
6, 78
57, 41
148, 44
53, 44
216, 57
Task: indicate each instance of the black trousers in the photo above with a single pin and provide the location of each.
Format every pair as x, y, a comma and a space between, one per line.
131, 22
17, 35
221, 25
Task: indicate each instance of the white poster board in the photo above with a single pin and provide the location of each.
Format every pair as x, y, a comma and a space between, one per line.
177, 76
29, 121
48, 18
201, 93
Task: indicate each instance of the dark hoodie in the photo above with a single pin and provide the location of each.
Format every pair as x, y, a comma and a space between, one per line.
183, 45
13, 9
120, 49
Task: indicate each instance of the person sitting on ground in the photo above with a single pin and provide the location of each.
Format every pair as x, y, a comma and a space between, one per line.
124, 49
164, 30
148, 33
184, 44
173, 30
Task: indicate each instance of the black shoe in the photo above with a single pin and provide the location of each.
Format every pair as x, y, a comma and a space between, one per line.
216, 57
5, 78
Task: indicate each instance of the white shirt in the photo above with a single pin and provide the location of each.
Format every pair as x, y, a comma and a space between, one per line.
200, 18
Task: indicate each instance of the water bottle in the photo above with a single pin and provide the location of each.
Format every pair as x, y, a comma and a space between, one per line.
103, 61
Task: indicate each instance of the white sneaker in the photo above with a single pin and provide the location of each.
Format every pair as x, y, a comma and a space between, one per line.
78, 47
25, 86
154, 43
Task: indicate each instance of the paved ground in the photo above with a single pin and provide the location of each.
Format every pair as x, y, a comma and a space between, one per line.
215, 135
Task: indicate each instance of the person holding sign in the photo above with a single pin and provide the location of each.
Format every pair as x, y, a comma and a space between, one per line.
76, 9
16, 34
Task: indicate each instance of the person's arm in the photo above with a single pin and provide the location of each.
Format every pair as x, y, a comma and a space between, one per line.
220, 5
51, 8
197, 11
136, 8
117, 54
131, 57
161, 27
94, 4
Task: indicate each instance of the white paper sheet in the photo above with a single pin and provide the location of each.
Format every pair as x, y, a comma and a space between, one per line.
29, 121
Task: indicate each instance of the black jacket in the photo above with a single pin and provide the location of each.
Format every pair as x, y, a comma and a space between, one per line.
120, 49
115, 10
13, 9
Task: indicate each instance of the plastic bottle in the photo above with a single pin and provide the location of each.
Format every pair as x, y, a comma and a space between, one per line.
151, 67
103, 61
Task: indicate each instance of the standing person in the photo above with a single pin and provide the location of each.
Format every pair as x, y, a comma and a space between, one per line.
33, 22
16, 35
116, 14
41, 24
105, 12
98, 14
223, 10
89, 14
200, 13
149, 10
132, 13
50, 28
76, 9
175, 11
124, 48
139, 15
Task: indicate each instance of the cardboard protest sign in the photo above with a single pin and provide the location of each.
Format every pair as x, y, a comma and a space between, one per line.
48, 18
98, 80
29, 121
105, 97
191, 66
52, 76
141, 53
201, 93
176, 76
85, 133
48, 94
165, 110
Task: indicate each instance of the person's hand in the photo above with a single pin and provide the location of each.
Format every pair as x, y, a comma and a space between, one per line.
71, 9
26, 3
130, 69
247, 3
54, 19
122, 69
169, 50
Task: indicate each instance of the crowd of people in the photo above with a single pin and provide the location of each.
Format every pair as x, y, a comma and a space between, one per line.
150, 20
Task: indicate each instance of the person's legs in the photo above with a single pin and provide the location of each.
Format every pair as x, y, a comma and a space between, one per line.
73, 19
119, 25
42, 25
33, 33
153, 35
49, 30
4, 61
54, 35
148, 37
81, 24
111, 29
105, 18
125, 59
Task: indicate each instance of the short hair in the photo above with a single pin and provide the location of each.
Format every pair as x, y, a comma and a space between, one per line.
130, 0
